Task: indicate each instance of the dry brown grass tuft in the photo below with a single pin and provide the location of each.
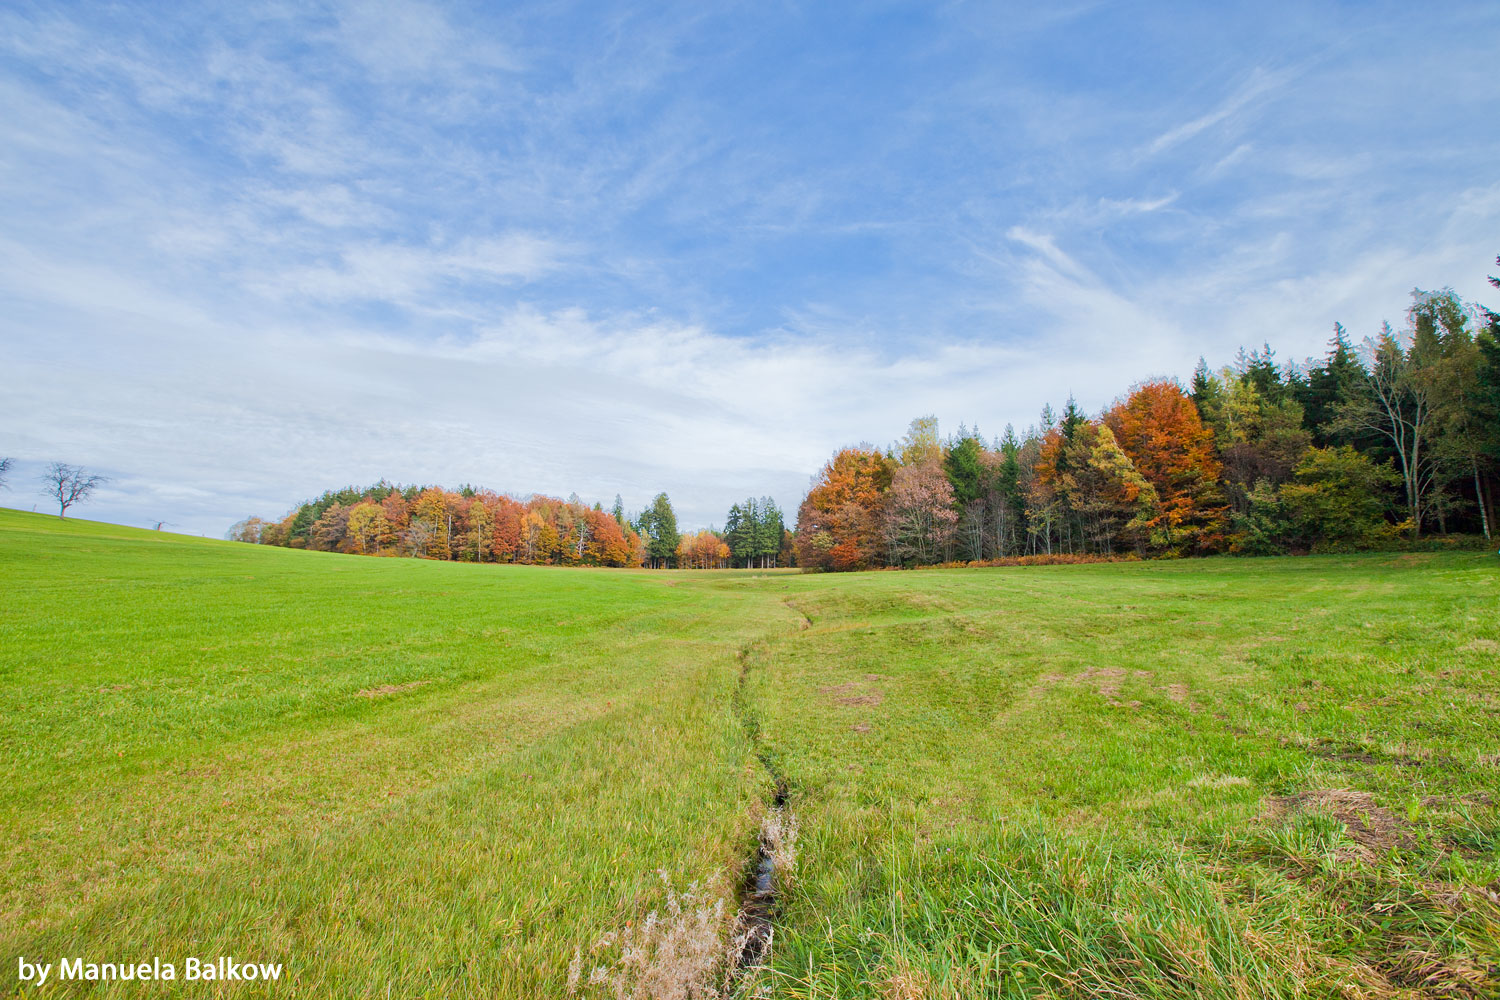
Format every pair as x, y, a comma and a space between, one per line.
1437, 975
676, 953
1218, 781
778, 836
1410, 962
899, 981
1106, 680
690, 949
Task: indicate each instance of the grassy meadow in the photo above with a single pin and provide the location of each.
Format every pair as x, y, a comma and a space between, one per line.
1215, 778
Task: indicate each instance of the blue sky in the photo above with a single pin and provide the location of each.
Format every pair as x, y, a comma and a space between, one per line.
252, 251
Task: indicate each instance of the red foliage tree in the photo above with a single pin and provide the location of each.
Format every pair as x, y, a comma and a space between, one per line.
919, 515
505, 528
606, 542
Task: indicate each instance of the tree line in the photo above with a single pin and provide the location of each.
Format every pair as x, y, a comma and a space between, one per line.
1368, 447
467, 524
471, 524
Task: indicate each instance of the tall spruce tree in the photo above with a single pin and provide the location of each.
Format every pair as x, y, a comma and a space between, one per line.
658, 526
1010, 503
969, 476
1326, 387
1206, 393
965, 468
1260, 369
735, 534
754, 531
768, 528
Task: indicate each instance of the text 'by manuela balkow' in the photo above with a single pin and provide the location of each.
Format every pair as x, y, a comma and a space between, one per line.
224, 968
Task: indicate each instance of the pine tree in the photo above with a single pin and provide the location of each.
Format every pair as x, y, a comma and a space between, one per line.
739, 535
1260, 369
965, 469
760, 542
1327, 386
1010, 504
1205, 392
1072, 419
775, 533
658, 526
751, 511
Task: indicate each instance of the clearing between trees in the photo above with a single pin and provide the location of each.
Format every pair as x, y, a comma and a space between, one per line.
1205, 778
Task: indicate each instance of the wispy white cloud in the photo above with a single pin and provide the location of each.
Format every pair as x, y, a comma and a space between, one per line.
405, 275
1260, 85
406, 37
1046, 247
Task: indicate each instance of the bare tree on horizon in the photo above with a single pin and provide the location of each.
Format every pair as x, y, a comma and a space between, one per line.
70, 484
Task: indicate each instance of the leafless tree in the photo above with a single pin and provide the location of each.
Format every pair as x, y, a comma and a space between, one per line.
5, 464
418, 534
1396, 403
247, 530
69, 485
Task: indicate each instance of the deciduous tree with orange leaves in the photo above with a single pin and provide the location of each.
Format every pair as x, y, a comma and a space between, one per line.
704, 550
1158, 426
839, 524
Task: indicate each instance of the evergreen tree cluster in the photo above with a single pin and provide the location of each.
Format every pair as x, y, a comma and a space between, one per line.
754, 531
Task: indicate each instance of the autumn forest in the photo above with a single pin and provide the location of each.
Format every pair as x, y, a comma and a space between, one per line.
1393, 442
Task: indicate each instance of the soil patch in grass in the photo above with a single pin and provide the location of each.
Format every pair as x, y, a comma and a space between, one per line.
1374, 828
389, 689
854, 693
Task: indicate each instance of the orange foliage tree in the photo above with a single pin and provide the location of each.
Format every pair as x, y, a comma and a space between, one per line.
1158, 426
705, 550
839, 524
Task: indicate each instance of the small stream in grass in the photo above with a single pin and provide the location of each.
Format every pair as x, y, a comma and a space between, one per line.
760, 893
759, 896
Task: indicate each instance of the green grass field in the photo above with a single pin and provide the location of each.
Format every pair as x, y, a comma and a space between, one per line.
1217, 778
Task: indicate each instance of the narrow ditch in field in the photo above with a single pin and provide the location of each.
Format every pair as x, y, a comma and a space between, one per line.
759, 895
760, 892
